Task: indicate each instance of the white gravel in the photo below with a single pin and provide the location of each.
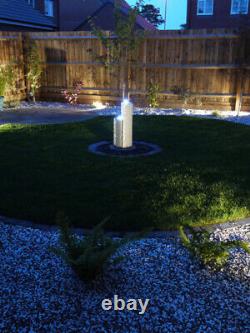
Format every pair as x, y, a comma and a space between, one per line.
39, 292
242, 118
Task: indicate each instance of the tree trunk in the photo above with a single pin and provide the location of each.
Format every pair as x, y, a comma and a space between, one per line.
124, 73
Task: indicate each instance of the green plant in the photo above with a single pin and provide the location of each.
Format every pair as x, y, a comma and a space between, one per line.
34, 69
72, 96
153, 95
211, 253
184, 93
215, 114
88, 255
13, 103
7, 79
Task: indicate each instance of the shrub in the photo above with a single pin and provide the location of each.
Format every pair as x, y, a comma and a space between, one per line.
183, 92
211, 253
34, 69
7, 79
13, 103
215, 114
71, 97
88, 255
153, 95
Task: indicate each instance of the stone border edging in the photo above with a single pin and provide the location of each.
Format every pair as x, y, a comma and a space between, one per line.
94, 148
153, 234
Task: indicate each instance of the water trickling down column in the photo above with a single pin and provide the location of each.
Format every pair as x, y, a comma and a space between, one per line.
123, 126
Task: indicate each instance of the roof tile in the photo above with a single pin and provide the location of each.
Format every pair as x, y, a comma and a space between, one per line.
21, 11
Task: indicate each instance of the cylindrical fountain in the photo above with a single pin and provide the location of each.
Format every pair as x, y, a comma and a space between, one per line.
123, 126
123, 144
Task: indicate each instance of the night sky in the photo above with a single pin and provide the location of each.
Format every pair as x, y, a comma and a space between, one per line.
176, 11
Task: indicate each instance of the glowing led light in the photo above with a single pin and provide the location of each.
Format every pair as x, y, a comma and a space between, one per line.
125, 101
98, 105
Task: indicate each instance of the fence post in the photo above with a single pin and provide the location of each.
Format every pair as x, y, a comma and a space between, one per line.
25, 42
241, 71
239, 89
145, 48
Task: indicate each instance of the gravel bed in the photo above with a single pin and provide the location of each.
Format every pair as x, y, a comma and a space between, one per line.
242, 118
105, 110
39, 293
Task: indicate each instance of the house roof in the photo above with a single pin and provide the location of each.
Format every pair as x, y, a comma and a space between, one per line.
19, 11
124, 7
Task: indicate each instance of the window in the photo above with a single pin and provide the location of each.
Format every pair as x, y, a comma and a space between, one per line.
239, 7
49, 7
32, 3
205, 7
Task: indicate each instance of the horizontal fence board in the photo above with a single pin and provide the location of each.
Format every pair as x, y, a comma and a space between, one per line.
181, 66
139, 92
187, 37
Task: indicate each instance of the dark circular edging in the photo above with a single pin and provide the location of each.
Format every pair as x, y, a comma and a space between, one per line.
140, 148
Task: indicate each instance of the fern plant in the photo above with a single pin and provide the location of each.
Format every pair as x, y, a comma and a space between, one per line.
87, 255
210, 253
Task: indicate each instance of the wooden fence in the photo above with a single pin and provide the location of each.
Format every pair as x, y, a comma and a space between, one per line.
11, 52
193, 68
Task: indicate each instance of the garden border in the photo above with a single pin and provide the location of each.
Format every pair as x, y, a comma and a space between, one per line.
94, 149
153, 234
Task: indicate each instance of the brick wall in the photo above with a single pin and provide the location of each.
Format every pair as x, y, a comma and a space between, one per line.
221, 17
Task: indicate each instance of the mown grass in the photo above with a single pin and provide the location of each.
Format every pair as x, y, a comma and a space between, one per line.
202, 175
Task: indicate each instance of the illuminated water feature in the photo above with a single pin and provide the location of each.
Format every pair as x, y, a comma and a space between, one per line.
123, 144
123, 126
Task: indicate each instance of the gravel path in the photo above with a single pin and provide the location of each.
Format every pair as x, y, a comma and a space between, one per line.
48, 115
39, 293
242, 118
55, 112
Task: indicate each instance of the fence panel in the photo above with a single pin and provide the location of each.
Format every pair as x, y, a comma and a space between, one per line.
11, 52
193, 68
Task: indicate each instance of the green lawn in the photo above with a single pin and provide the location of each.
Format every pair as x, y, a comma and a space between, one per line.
201, 177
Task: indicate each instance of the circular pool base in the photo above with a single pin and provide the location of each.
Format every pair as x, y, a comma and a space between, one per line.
139, 148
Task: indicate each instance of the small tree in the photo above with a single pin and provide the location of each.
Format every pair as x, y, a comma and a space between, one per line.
34, 69
121, 47
152, 14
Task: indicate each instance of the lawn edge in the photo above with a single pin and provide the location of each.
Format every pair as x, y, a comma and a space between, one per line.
152, 234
